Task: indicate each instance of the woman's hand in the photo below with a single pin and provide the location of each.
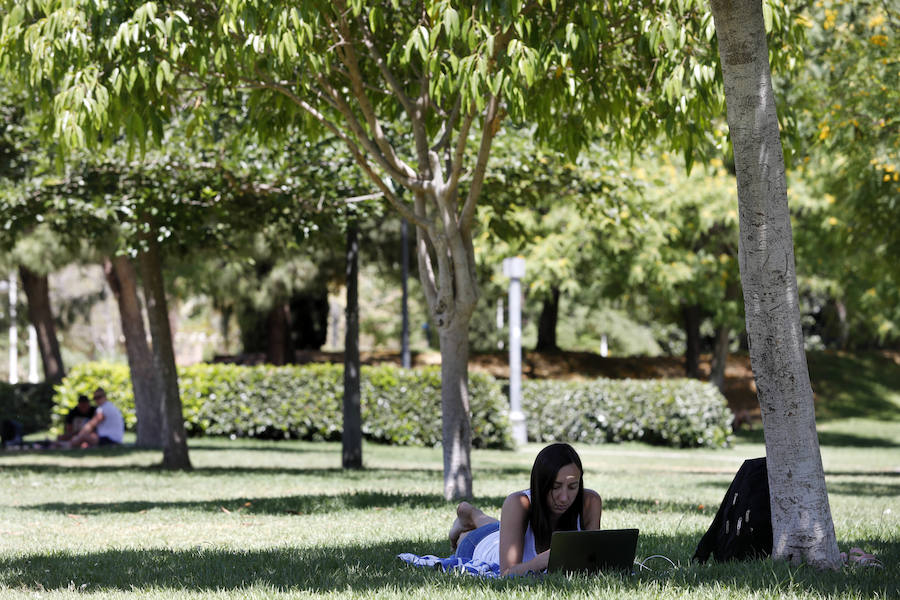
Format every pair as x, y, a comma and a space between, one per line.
535, 565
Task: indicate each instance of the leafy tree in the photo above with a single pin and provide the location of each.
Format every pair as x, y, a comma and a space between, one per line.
39, 251
852, 164
405, 87
685, 259
803, 530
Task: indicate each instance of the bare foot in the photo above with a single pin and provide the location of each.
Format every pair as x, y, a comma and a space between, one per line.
462, 523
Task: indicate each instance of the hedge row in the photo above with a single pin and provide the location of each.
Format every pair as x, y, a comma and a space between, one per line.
403, 406
672, 412
399, 406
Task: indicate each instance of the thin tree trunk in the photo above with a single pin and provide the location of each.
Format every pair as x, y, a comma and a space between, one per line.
456, 428
278, 340
549, 318
691, 315
175, 449
145, 380
351, 438
40, 313
404, 308
720, 357
803, 530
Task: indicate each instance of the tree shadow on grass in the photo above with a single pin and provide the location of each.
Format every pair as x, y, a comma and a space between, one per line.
273, 468
323, 504
844, 488
826, 438
280, 505
864, 488
373, 568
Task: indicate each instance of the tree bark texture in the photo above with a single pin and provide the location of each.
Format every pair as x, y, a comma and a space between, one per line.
456, 428
40, 313
175, 449
145, 380
691, 316
351, 438
803, 530
546, 341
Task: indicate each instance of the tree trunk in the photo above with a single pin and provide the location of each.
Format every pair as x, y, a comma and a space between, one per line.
145, 380
279, 350
40, 313
691, 316
175, 449
456, 428
546, 341
404, 306
803, 530
351, 438
720, 357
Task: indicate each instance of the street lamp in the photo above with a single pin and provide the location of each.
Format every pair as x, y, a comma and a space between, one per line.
514, 268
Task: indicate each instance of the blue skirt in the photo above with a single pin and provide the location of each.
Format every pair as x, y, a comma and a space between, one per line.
466, 548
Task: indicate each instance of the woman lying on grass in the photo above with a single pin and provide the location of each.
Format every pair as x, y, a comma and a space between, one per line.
520, 541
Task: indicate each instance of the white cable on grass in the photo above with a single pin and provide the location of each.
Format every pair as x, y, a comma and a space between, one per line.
643, 565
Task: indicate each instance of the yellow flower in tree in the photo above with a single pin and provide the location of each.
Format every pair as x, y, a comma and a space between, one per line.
830, 18
876, 21
879, 40
824, 131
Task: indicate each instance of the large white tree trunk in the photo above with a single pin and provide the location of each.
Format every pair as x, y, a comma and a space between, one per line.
803, 530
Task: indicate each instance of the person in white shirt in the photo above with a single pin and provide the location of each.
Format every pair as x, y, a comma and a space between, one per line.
520, 541
105, 428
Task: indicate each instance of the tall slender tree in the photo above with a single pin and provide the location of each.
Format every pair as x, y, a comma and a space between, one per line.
146, 382
803, 530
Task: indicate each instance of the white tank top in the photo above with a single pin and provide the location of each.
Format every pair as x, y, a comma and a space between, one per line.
488, 549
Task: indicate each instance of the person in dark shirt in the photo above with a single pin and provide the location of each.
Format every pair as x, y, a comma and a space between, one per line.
77, 417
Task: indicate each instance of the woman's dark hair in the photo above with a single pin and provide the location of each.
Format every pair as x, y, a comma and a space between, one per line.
546, 466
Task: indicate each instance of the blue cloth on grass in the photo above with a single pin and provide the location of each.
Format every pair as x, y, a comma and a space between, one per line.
467, 566
461, 561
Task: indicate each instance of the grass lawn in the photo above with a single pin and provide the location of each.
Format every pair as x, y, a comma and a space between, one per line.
260, 520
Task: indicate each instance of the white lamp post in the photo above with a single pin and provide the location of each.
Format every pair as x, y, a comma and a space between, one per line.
514, 268
13, 332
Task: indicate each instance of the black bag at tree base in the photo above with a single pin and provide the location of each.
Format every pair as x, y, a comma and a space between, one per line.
742, 528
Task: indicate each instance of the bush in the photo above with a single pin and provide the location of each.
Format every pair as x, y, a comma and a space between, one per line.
673, 412
399, 406
28, 403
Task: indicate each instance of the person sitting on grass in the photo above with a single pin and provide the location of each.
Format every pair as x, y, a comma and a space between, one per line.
77, 417
105, 428
520, 541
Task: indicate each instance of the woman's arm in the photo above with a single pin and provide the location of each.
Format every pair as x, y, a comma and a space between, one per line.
513, 523
593, 509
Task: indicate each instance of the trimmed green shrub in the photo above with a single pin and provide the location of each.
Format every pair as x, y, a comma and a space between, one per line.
672, 412
27, 403
399, 406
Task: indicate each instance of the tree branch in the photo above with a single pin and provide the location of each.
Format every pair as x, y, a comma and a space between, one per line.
488, 130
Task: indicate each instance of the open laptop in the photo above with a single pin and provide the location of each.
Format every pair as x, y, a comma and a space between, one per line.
593, 551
